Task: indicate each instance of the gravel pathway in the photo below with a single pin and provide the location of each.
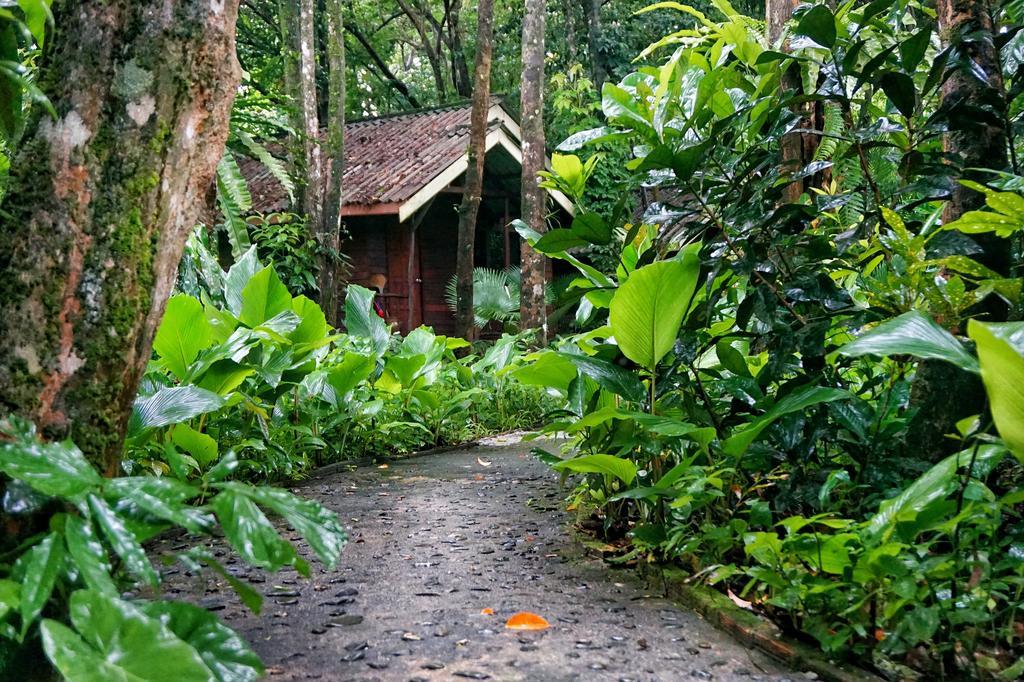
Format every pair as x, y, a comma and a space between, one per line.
435, 542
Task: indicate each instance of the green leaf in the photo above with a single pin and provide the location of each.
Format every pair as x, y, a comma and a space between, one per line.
345, 376
592, 227
621, 107
88, 554
10, 597
224, 376
647, 310
184, 331
313, 326
916, 334
238, 276
201, 446
123, 541
139, 647
548, 369
234, 201
558, 240
172, 405
54, 469
935, 484
264, 297
252, 534
39, 568
1002, 372
617, 467
318, 526
797, 401
164, 498
819, 25
221, 648
610, 376
75, 659
899, 88
361, 320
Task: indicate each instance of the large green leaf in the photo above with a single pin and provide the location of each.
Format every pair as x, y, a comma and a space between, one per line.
318, 526
75, 659
1002, 371
617, 467
201, 446
39, 567
819, 25
184, 331
172, 405
797, 401
140, 647
89, 555
361, 320
122, 540
347, 374
165, 498
238, 276
252, 534
313, 325
647, 310
264, 297
548, 369
221, 648
916, 334
56, 469
610, 376
935, 484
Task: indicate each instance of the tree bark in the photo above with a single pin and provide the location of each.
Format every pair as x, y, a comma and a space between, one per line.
941, 394
569, 12
796, 149
330, 275
471, 197
460, 69
312, 185
100, 202
288, 24
532, 306
598, 70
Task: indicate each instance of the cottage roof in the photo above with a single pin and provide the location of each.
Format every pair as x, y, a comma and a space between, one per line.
396, 164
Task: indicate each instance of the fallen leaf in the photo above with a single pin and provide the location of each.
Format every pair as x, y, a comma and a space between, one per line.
742, 603
482, 463
487, 612
524, 620
383, 466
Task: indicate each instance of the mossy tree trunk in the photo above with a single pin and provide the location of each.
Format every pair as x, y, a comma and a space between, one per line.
330, 270
532, 306
598, 70
473, 192
100, 203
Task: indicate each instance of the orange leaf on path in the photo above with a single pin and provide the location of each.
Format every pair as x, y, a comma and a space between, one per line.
524, 620
487, 612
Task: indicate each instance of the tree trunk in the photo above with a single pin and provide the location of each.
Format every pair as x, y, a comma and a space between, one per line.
460, 69
100, 202
288, 24
598, 70
312, 156
532, 306
979, 142
796, 149
471, 197
385, 72
330, 275
569, 12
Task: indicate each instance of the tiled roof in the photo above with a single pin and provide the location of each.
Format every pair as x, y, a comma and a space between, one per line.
387, 159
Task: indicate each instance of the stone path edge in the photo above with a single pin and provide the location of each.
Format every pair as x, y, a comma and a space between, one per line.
744, 626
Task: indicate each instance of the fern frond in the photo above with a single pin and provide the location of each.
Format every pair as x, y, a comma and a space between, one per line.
275, 165
234, 200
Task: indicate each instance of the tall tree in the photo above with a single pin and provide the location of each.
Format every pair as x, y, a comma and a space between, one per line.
288, 26
472, 195
101, 200
329, 278
598, 70
313, 175
975, 108
532, 306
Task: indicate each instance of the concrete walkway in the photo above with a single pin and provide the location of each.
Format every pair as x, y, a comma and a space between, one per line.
436, 541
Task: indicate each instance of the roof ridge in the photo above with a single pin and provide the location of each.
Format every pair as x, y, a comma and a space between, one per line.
496, 98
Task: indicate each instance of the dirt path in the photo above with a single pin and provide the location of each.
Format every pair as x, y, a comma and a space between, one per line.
437, 539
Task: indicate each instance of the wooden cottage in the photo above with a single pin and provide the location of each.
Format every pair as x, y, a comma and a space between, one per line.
402, 189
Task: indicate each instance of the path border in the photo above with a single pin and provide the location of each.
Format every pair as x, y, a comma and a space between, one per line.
742, 625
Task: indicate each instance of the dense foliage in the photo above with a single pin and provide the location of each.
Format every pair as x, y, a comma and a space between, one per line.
739, 397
